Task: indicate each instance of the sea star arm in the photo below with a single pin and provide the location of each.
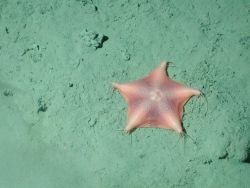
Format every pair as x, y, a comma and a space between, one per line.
137, 109
170, 120
136, 118
181, 95
128, 91
158, 76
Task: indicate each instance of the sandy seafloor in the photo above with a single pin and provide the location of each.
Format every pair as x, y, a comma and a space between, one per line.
59, 118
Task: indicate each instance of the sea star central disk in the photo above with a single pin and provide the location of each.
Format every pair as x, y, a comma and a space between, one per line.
155, 101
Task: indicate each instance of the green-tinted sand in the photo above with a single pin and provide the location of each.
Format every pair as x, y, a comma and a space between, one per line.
59, 116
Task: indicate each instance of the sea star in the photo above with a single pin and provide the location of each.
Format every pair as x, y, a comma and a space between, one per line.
155, 101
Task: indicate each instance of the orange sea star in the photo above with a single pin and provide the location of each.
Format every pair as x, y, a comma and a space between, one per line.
155, 101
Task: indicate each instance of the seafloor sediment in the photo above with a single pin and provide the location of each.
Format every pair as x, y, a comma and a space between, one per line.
60, 119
